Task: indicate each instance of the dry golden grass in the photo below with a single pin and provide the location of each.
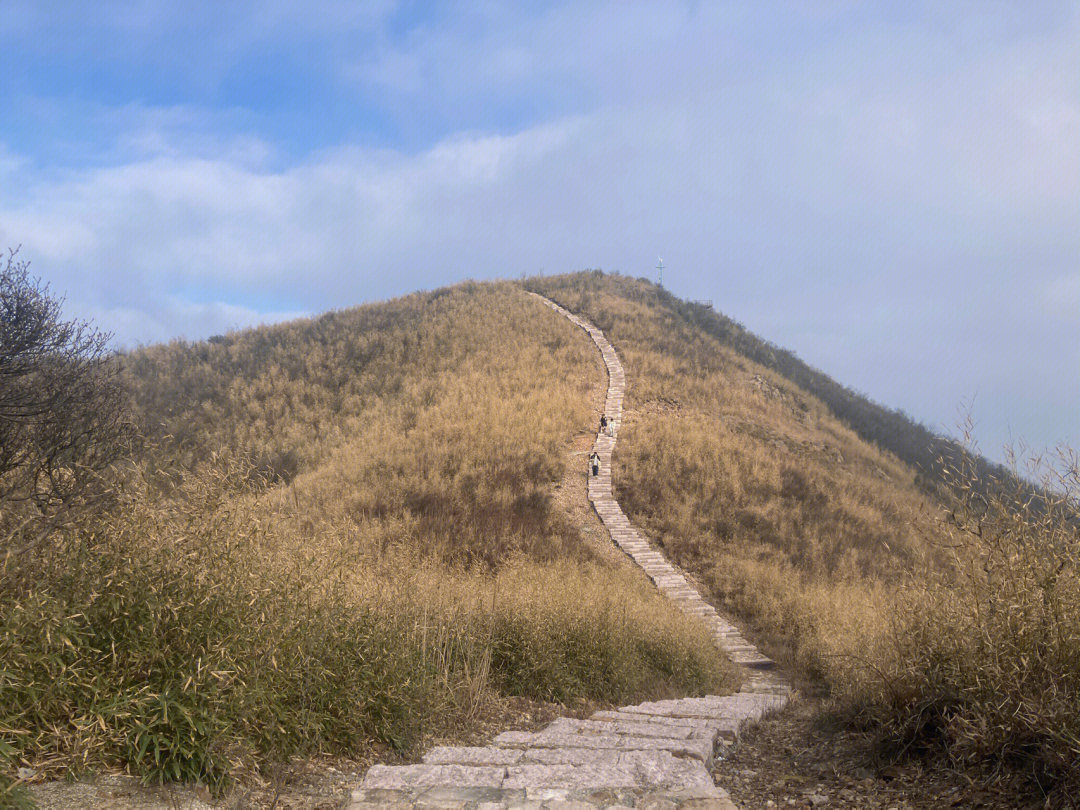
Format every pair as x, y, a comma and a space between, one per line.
948, 631
439, 420
787, 515
981, 658
342, 534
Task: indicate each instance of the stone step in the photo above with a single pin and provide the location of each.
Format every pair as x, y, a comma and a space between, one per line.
741, 706
401, 777
609, 770
696, 747
567, 725
703, 726
619, 770
472, 755
534, 798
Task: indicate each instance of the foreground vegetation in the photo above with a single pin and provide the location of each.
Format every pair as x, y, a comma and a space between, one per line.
339, 535
982, 657
938, 604
163, 641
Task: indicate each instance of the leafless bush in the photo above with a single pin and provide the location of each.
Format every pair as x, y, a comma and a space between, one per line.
62, 416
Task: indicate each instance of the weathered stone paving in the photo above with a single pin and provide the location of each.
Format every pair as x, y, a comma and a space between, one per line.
652, 755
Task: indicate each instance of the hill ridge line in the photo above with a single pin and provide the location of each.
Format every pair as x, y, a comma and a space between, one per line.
654, 754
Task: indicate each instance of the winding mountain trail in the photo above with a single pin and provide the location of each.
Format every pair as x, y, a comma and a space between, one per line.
652, 755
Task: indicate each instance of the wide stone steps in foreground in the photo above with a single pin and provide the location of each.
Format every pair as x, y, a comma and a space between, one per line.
651, 751
652, 755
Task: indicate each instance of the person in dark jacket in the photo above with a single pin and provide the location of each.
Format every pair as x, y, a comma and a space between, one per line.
594, 463
603, 423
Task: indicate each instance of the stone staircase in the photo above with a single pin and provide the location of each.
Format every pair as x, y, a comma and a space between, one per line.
651, 755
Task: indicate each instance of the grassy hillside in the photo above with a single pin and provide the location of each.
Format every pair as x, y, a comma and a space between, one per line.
938, 601
404, 419
354, 532
785, 512
931, 455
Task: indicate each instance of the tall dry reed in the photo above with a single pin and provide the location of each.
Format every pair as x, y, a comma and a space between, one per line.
981, 659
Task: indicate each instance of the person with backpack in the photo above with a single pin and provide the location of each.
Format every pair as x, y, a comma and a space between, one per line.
603, 423
594, 463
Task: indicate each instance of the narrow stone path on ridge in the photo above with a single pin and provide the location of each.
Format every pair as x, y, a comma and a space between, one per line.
651, 755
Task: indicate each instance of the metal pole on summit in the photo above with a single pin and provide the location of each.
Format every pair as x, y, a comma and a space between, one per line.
660, 267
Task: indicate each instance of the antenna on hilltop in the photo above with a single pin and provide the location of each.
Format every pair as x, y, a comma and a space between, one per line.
660, 267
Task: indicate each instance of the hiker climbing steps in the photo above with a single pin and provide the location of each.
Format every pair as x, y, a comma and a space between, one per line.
655, 753
669, 580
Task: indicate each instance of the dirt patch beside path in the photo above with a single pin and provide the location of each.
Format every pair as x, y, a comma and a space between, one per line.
792, 760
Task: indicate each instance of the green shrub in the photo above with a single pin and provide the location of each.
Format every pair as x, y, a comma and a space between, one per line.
155, 640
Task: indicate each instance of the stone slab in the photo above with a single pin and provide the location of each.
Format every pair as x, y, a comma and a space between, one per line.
658, 720
400, 777
662, 771
471, 755
565, 725
697, 747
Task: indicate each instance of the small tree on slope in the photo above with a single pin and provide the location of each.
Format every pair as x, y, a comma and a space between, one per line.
63, 419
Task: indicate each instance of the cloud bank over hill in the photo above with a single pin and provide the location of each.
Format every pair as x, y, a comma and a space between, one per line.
891, 191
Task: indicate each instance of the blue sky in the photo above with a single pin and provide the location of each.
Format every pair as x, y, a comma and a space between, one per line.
892, 190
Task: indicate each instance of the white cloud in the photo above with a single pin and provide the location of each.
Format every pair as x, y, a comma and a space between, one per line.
871, 211
805, 179
156, 226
